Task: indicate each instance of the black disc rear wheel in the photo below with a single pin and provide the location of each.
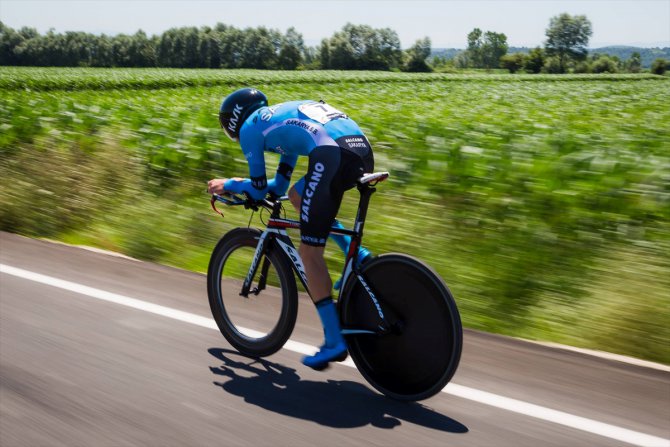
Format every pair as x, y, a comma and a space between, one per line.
421, 355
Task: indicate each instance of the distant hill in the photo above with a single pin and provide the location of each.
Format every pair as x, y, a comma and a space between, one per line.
622, 52
448, 53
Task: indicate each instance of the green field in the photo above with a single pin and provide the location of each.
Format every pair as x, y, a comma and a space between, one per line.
543, 201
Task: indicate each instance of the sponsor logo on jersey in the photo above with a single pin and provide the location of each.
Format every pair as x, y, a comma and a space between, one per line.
310, 189
357, 144
268, 112
313, 130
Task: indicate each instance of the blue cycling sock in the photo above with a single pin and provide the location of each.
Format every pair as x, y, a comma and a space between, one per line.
330, 321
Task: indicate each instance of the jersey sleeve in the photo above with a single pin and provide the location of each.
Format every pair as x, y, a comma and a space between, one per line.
279, 184
252, 144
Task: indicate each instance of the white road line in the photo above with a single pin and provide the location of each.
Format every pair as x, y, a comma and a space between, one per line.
590, 352
483, 397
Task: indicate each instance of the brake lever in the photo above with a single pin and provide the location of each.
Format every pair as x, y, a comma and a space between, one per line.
213, 203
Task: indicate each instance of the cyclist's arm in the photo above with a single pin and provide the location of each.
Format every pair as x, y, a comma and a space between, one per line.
279, 184
252, 147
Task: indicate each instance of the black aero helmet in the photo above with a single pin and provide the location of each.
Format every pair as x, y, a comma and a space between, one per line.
237, 107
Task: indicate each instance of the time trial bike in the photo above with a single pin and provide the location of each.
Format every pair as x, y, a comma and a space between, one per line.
399, 318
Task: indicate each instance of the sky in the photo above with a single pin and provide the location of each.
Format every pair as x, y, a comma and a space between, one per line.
644, 23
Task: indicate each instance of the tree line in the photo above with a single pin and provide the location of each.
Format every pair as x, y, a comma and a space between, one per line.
354, 47
222, 46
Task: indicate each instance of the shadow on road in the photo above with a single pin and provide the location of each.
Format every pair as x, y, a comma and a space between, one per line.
335, 403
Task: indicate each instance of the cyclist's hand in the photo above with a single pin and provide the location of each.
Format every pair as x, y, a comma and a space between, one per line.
215, 186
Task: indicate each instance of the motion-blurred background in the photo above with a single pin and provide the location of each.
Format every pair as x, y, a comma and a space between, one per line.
529, 157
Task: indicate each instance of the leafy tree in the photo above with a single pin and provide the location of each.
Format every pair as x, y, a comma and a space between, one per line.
311, 57
389, 47
324, 53
141, 50
213, 48
485, 49
231, 47
634, 63
121, 50
417, 55
659, 66
360, 47
567, 38
552, 65
189, 49
473, 54
604, 64
513, 62
165, 54
208, 49
102, 54
494, 47
342, 54
9, 41
535, 60
260, 48
292, 49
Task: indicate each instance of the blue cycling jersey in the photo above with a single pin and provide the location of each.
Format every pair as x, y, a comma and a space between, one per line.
290, 129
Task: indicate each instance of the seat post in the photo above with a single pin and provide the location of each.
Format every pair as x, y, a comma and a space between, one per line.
366, 192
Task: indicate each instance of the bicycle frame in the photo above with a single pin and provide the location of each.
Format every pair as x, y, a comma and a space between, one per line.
277, 230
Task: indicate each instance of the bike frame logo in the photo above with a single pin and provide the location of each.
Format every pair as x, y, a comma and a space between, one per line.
257, 256
295, 258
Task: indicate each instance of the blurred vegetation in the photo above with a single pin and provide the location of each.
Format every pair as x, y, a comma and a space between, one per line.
544, 204
53, 78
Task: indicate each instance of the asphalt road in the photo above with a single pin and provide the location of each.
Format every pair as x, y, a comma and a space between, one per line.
97, 367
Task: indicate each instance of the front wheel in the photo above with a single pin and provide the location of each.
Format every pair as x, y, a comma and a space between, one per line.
418, 358
259, 324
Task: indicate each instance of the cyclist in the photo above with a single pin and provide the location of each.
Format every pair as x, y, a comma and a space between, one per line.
339, 153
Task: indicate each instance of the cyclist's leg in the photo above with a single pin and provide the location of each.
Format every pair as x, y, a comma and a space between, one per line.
318, 207
316, 270
321, 199
342, 241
